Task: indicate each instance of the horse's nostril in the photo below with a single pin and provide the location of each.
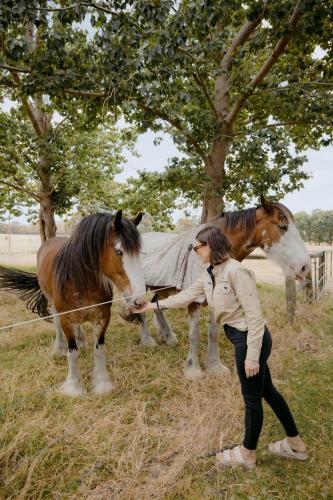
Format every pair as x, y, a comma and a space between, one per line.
305, 268
139, 302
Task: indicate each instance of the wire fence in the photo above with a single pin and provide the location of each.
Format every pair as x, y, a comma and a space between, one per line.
317, 280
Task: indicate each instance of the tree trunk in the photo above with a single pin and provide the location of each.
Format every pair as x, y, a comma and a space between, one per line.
47, 224
213, 203
41, 122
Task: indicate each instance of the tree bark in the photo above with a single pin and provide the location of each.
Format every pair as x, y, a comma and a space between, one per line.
213, 202
47, 224
41, 122
215, 161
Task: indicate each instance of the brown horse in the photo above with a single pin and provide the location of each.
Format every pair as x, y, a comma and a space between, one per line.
80, 271
269, 226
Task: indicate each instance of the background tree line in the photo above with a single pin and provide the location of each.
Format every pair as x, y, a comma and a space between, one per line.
316, 227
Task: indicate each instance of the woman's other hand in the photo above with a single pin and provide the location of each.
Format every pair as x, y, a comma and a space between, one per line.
149, 306
251, 368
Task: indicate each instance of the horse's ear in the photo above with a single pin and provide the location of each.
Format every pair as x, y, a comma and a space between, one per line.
138, 219
266, 204
117, 219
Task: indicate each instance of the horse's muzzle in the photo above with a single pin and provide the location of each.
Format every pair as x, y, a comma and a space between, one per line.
127, 311
130, 317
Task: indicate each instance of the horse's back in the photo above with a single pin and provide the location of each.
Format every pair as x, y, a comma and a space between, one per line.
45, 263
151, 241
50, 248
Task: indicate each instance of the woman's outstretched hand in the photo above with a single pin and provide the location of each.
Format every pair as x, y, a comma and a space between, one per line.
149, 306
251, 368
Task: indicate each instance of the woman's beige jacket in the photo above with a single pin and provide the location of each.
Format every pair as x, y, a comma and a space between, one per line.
234, 299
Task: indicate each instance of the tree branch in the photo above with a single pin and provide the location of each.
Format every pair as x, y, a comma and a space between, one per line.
80, 3
13, 68
99, 7
286, 87
86, 93
177, 124
283, 124
278, 50
240, 38
22, 189
158, 113
28, 107
107, 11
56, 128
200, 81
279, 124
222, 82
59, 9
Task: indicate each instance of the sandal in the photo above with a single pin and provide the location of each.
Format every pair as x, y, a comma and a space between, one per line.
224, 459
283, 449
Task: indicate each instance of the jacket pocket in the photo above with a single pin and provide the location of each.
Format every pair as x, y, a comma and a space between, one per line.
223, 288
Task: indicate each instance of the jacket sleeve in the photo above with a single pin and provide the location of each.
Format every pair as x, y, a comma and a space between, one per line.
185, 297
243, 282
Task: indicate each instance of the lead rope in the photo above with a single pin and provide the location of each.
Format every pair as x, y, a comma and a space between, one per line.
44, 318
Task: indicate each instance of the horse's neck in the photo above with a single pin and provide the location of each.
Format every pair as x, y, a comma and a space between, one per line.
242, 242
241, 250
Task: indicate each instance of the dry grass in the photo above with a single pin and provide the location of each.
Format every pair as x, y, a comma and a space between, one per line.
151, 437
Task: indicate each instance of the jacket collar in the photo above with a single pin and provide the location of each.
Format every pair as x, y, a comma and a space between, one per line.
217, 268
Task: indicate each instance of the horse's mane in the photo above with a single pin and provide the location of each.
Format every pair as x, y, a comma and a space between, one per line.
247, 217
78, 259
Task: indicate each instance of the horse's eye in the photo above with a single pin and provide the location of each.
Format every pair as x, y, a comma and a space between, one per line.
283, 227
118, 252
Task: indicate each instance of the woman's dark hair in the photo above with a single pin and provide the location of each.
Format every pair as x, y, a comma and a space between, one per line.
220, 248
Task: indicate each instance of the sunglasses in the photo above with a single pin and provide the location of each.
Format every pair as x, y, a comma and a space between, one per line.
196, 248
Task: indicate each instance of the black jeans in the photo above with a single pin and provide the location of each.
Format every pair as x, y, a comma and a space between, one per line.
258, 387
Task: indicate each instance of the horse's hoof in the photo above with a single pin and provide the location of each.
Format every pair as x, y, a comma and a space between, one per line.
171, 339
102, 386
72, 388
217, 369
193, 373
148, 342
59, 351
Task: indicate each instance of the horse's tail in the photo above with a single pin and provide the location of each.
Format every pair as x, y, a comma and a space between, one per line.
26, 286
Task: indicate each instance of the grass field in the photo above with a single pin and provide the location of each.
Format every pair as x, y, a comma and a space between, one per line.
152, 436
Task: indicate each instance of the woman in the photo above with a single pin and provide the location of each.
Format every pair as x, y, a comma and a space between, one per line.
230, 289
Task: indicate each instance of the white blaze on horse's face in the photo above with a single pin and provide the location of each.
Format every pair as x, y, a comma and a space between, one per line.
133, 269
289, 252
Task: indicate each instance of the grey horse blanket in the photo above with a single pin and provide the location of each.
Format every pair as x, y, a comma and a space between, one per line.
168, 259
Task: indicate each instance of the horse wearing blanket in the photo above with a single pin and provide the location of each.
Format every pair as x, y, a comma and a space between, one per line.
168, 261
